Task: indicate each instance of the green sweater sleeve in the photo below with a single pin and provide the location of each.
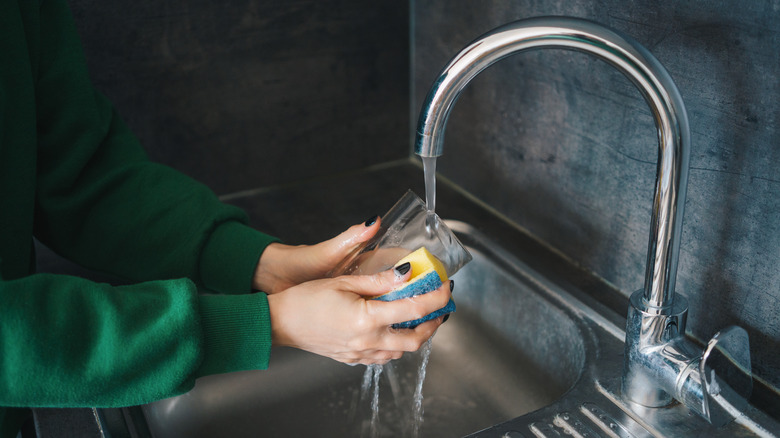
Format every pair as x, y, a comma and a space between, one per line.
103, 204
67, 341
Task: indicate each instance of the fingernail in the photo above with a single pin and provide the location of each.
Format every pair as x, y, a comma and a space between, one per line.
371, 220
446, 317
452, 285
401, 270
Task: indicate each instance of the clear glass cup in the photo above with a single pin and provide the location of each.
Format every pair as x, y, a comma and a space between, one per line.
406, 227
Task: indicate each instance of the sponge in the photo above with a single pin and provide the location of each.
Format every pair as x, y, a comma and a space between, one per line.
428, 274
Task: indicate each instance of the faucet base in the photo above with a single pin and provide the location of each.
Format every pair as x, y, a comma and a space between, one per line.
651, 355
660, 364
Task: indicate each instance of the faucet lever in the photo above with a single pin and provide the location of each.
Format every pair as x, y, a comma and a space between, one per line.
726, 377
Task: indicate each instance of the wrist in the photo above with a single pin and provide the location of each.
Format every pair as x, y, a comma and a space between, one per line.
267, 276
276, 305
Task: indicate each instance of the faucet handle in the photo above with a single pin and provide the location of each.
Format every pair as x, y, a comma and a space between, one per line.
726, 378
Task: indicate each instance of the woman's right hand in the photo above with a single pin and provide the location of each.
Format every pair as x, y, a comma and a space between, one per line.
336, 318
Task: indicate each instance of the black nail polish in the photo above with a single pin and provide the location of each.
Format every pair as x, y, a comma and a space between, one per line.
452, 285
371, 220
401, 270
446, 317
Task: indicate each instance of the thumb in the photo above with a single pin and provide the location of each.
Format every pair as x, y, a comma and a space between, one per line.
340, 245
370, 286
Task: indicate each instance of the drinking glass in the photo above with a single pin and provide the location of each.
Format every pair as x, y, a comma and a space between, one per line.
406, 227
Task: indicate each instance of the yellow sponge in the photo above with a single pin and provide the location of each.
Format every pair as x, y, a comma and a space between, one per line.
428, 274
423, 262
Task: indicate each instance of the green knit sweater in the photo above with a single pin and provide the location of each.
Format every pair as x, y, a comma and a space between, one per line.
73, 176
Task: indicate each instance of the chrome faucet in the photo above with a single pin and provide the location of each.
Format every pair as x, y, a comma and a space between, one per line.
659, 362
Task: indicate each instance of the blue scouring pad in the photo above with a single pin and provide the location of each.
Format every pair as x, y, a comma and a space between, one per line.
449, 308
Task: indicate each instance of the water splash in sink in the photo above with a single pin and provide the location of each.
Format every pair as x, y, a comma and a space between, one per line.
376, 371
370, 383
418, 397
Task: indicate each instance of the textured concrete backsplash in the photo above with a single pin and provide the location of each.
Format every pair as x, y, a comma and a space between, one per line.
243, 93
247, 93
566, 147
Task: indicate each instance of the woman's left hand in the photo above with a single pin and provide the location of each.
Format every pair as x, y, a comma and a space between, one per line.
283, 266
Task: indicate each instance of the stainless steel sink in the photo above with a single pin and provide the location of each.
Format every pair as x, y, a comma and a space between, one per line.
510, 349
522, 357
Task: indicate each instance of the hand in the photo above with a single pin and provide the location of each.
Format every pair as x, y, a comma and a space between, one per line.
283, 266
332, 317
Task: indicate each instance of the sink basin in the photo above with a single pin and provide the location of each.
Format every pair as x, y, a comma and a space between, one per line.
511, 348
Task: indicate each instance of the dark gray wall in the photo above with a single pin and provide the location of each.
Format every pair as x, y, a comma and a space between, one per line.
566, 147
247, 93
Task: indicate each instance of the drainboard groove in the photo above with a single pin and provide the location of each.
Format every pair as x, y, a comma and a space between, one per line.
604, 421
544, 429
570, 424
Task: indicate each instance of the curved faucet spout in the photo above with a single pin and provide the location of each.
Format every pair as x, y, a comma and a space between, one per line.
641, 68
